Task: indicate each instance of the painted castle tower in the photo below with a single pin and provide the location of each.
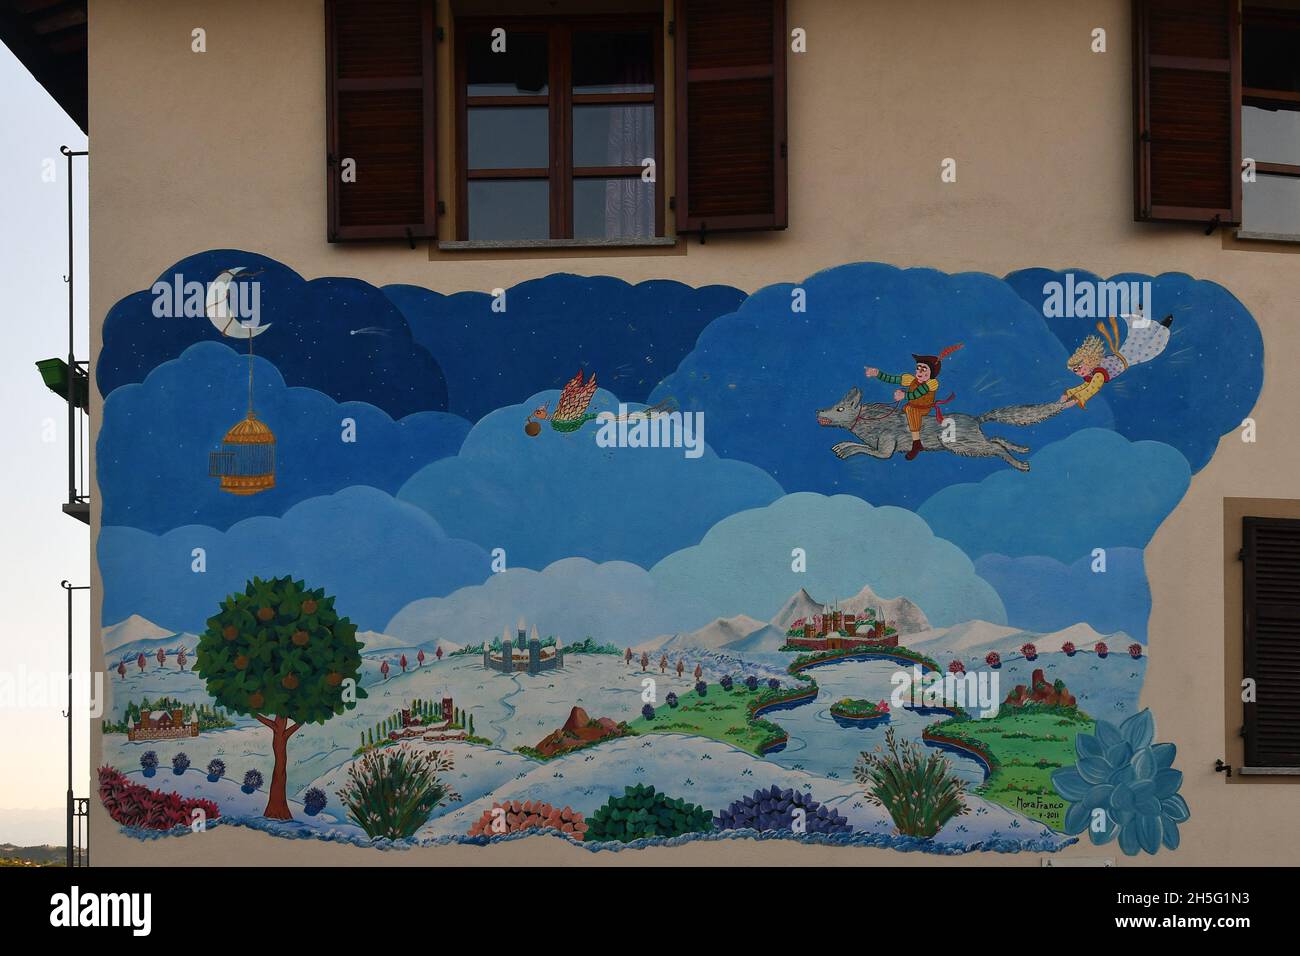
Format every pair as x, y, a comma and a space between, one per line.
523, 653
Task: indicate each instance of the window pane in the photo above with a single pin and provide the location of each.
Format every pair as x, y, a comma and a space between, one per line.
1268, 56
509, 209
613, 63
508, 137
1270, 136
621, 208
613, 135
1271, 204
520, 70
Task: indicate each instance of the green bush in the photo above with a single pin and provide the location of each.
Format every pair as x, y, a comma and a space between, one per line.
920, 795
642, 812
391, 792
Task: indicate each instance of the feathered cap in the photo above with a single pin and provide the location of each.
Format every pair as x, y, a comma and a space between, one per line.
935, 361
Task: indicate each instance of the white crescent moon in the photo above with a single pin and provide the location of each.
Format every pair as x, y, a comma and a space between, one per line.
219, 312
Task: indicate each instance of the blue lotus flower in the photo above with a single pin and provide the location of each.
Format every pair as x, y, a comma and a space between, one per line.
1122, 785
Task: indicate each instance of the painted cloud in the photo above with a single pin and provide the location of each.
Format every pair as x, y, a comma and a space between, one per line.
745, 563
154, 443
1095, 489
559, 495
375, 553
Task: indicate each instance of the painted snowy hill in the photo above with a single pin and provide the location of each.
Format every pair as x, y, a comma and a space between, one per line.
713, 636
800, 604
979, 637
1082, 636
969, 635
378, 643
711, 773
129, 639
765, 640
135, 628
905, 616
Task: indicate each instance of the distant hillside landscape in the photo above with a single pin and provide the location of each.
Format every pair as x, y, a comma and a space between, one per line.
44, 855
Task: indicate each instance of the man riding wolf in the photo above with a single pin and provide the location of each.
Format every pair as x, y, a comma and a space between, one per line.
919, 391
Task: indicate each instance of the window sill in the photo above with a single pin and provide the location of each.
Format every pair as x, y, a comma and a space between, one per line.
1269, 771
496, 245
1267, 236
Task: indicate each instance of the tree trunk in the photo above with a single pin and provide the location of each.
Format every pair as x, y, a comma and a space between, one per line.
277, 805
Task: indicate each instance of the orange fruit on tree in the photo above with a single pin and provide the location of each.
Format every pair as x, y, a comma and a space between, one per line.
241, 662
300, 638
309, 606
230, 632
334, 678
289, 682
255, 699
265, 613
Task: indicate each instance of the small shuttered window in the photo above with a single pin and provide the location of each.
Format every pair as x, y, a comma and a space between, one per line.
1187, 73
1271, 598
731, 123
380, 118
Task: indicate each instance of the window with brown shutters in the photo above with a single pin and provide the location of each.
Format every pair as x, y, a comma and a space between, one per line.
1271, 599
380, 119
731, 115
1187, 73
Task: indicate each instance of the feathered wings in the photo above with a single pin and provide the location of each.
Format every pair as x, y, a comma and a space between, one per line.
575, 398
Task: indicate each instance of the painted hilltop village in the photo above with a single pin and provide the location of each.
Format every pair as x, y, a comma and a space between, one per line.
850, 721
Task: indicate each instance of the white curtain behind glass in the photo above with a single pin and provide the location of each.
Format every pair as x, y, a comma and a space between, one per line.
629, 203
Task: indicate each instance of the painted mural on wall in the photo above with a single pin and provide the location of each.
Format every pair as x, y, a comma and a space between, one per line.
854, 560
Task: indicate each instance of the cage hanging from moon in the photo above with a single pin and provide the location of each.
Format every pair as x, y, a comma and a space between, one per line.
246, 462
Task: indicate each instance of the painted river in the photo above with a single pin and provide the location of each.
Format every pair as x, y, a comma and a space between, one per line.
821, 745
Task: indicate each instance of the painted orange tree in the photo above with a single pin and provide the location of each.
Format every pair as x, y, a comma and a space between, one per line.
281, 654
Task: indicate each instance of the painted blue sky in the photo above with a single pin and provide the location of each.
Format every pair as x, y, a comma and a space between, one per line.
402, 522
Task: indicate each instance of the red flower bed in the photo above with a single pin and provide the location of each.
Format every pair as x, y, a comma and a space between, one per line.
133, 805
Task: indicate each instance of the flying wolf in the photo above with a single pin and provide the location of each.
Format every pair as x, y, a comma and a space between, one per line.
882, 429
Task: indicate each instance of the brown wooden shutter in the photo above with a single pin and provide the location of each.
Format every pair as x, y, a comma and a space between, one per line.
1271, 599
1187, 106
731, 146
380, 108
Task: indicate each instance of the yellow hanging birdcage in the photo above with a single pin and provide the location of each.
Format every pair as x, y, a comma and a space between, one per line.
246, 462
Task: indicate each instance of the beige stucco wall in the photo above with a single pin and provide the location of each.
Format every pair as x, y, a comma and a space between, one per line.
226, 149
